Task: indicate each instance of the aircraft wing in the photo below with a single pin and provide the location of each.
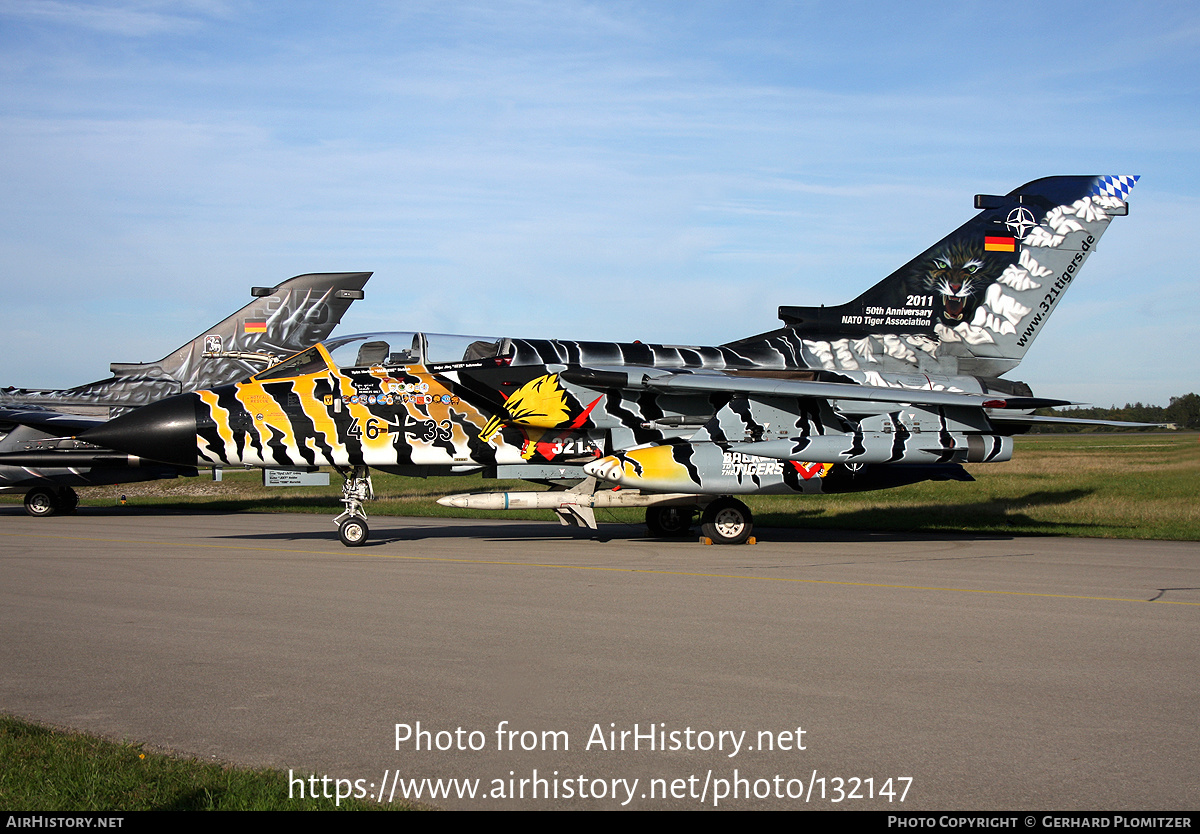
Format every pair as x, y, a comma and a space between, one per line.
41, 438
48, 421
656, 379
1035, 419
768, 433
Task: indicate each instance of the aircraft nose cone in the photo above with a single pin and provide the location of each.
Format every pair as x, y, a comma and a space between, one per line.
163, 431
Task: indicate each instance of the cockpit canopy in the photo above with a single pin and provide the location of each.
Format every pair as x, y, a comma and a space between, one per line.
396, 348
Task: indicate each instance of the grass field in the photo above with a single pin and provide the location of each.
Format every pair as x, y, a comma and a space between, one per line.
1106, 485
53, 770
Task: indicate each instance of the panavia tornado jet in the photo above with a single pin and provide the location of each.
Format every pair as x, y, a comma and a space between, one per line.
38, 455
903, 384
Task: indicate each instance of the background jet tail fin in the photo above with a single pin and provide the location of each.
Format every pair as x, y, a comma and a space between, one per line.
281, 321
984, 292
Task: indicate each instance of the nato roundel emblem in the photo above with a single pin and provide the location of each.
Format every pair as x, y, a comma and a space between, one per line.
1020, 221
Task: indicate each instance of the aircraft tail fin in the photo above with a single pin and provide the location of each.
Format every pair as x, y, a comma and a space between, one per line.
279, 321
984, 292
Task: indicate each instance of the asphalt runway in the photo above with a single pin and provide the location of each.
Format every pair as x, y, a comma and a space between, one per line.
966, 673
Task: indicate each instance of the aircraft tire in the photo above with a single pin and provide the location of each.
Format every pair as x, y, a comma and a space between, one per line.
68, 500
41, 502
727, 521
354, 532
668, 522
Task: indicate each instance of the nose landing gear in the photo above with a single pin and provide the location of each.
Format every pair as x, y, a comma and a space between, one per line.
356, 488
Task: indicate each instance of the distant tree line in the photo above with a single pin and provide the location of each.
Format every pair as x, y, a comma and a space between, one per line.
1183, 412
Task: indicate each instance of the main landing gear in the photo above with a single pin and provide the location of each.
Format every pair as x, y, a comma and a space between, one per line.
669, 522
727, 521
41, 502
724, 521
356, 488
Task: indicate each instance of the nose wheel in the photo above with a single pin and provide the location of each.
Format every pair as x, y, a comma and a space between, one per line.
352, 523
353, 532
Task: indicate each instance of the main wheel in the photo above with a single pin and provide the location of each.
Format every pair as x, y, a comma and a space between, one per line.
353, 532
727, 521
668, 521
41, 502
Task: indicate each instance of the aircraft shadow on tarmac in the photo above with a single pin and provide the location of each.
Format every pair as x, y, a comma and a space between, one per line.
895, 523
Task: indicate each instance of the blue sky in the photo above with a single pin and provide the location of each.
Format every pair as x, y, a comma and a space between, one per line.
658, 171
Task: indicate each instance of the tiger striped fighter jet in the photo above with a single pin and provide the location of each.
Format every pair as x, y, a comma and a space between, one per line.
903, 384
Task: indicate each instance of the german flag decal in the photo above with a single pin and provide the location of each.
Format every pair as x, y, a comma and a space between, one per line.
257, 326
999, 243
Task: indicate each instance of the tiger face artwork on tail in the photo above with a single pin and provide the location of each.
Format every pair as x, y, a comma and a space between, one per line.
958, 275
